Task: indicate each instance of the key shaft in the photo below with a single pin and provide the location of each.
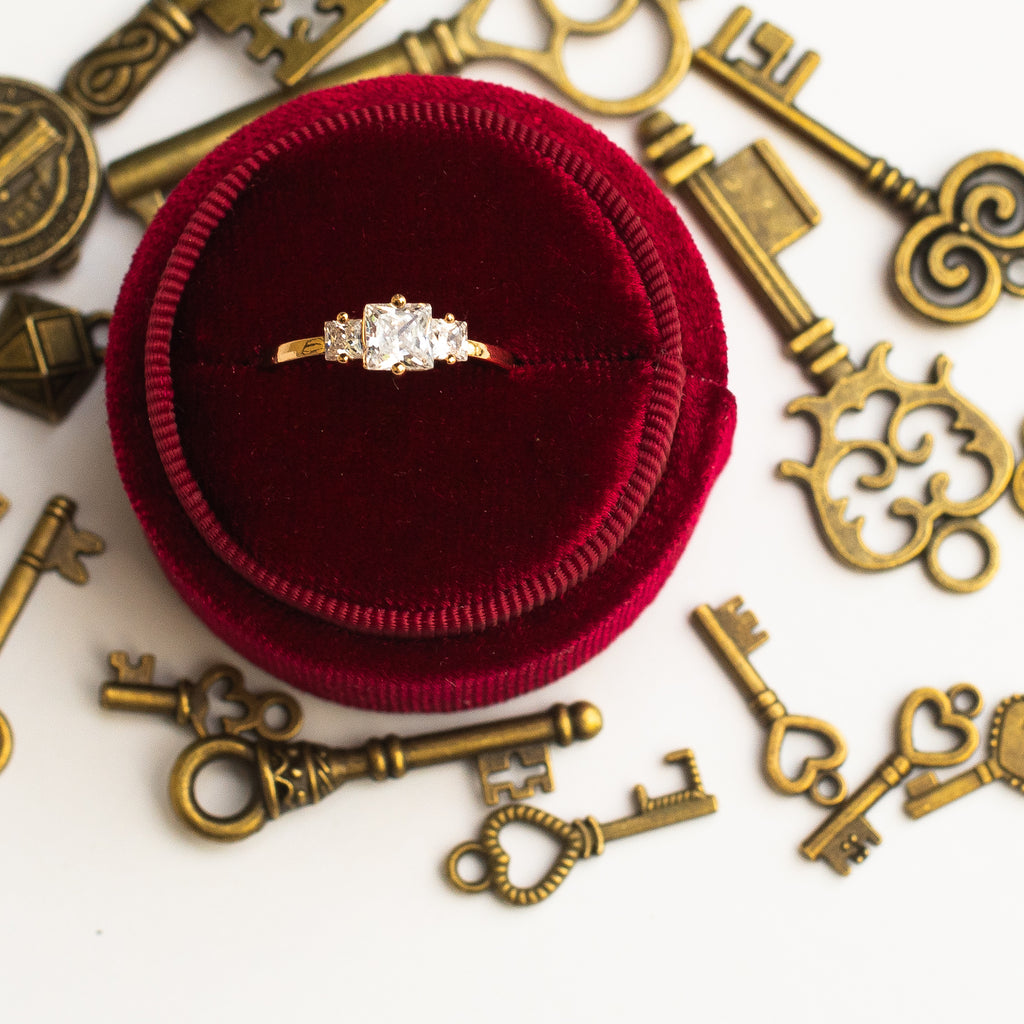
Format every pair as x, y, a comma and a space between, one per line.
775, 98
929, 795
291, 775
52, 544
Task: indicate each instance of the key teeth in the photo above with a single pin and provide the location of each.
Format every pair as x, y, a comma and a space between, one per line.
128, 672
742, 626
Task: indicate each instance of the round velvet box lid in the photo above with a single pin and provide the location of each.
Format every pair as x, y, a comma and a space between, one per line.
446, 538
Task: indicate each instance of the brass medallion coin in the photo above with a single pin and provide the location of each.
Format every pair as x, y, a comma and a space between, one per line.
49, 179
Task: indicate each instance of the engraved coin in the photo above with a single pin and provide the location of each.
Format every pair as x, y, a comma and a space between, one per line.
49, 180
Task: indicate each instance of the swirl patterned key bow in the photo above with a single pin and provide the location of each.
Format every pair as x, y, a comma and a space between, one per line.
966, 245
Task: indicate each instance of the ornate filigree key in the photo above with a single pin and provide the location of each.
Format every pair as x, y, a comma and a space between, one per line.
1006, 741
756, 208
55, 543
579, 839
189, 703
286, 776
845, 835
733, 636
966, 241
140, 181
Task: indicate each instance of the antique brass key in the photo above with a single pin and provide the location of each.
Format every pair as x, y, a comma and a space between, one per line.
756, 208
49, 169
189, 703
579, 839
290, 775
1006, 742
54, 543
845, 835
965, 243
733, 636
140, 181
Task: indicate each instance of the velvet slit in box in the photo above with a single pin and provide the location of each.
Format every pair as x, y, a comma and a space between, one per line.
447, 538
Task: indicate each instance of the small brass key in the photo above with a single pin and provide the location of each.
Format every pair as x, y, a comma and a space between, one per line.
756, 208
1006, 742
579, 839
54, 543
845, 835
286, 776
733, 635
140, 181
189, 703
965, 241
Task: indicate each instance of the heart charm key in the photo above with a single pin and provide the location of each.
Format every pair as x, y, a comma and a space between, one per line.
845, 835
1006, 742
579, 839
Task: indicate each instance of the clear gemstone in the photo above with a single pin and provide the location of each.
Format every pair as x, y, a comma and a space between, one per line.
343, 339
450, 338
397, 336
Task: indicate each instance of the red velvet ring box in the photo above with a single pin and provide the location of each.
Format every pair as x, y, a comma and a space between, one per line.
447, 538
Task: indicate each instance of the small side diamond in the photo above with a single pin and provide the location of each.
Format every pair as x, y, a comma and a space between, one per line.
343, 339
449, 339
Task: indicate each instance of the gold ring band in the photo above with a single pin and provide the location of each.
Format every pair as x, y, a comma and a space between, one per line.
396, 336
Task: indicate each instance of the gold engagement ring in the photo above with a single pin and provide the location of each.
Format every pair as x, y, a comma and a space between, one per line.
395, 336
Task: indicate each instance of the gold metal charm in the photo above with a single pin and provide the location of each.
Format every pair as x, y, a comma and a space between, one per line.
845, 835
757, 208
732, 636
55, 543
189, 703
47, 356
965, 246
579, 839
49, 180
140, 181
286, 776
1006, 741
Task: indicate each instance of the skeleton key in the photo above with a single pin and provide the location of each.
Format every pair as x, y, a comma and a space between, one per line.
754, 206
1006, 762
49, 168
846, 833
189, 703
733, 635
140, 181
286, 776
299, 53
54, 543
579, 839
965, 241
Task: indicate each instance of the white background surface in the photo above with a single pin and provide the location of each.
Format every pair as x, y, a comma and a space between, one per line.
111, 910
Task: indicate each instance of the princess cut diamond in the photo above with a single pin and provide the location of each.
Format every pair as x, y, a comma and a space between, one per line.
397, 335
450, 339
343, 339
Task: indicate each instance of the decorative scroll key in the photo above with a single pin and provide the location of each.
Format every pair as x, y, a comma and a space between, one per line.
966, 245
757, 208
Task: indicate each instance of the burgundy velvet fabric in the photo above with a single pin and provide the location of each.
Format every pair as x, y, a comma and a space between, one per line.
448, 538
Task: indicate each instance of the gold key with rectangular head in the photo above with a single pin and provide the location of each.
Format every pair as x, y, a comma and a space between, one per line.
140, 181
579, 839
756, 208
1006, 741
845, 834
965, 242
286, 776
733, 635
